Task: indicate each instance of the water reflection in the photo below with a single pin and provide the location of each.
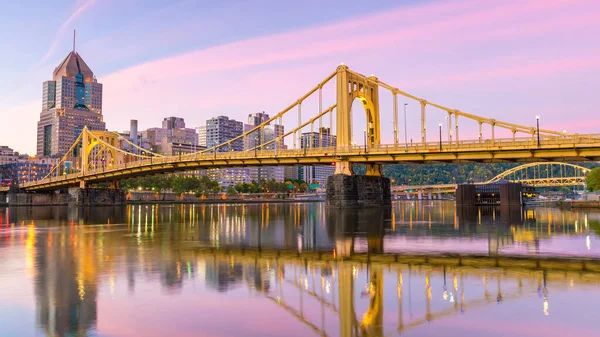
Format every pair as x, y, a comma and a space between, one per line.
115, 271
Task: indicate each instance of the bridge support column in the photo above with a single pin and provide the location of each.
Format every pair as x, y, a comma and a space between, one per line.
82, 184
420, 195
114, 185
351, 191
429, 196
343, 167
374, 170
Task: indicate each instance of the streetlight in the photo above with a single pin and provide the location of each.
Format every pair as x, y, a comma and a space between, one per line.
365, 132
440, 125
405, 136
537, 119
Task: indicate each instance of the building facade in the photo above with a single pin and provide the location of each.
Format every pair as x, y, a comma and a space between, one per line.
26, 169
316, 173
269, 132
71, 101
201, 131
7, 155
173, 138
220, 130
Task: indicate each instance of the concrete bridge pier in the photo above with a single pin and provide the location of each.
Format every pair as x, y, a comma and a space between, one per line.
355, 191
420, 195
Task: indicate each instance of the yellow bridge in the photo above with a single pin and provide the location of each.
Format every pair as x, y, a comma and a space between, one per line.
101, 156
539, 174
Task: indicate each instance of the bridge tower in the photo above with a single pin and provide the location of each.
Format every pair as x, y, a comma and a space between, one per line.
344, 188
351, 86
98, 151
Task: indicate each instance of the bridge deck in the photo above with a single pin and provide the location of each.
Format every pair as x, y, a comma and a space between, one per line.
580, 148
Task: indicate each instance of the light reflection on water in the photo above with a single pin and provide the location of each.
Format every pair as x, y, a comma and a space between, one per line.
166, 270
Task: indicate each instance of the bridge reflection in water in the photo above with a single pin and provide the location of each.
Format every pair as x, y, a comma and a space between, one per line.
336, 272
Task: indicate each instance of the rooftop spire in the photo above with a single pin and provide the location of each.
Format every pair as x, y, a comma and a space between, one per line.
73, 39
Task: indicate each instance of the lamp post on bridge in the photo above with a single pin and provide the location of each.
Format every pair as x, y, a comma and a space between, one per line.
537, 119
365, 133
405, 136
440, 125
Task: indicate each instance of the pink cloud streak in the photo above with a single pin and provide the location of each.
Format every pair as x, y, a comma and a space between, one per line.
422, 28
63, 27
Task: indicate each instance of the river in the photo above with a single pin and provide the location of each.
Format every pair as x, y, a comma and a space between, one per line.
297, 269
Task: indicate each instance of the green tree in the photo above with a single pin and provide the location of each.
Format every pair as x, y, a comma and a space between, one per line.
231, 190
179, 185
592, 180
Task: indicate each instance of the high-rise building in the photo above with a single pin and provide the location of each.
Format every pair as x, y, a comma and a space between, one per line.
220, 130
316, 173
268, 133
71, 101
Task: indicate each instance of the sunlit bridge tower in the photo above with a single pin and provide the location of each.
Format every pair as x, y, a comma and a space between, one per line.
71, 101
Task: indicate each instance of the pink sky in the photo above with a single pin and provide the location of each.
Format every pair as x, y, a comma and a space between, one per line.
508, 60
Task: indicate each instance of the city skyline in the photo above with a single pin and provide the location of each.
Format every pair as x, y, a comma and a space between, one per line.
501, 59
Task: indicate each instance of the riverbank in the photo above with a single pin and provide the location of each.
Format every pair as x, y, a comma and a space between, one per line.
579, 204
218, 201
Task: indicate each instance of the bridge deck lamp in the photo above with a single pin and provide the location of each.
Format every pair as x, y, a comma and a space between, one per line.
537, 119
440, 125
365, 133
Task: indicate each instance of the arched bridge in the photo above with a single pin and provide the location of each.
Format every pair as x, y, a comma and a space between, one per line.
539, 174
99, 156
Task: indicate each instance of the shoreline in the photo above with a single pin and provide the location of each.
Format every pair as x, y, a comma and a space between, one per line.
170, 202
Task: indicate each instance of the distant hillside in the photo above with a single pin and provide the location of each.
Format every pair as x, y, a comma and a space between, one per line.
417, 174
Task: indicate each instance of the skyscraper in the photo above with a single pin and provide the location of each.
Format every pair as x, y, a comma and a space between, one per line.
71, 101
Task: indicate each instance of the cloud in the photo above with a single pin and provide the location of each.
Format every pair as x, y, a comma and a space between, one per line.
20, 132
471, 55
433, 47
63, 27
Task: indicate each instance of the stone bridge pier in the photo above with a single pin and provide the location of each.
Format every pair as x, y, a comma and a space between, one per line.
357, 191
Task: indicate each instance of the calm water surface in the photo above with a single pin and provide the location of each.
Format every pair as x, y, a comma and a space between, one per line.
178, 271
